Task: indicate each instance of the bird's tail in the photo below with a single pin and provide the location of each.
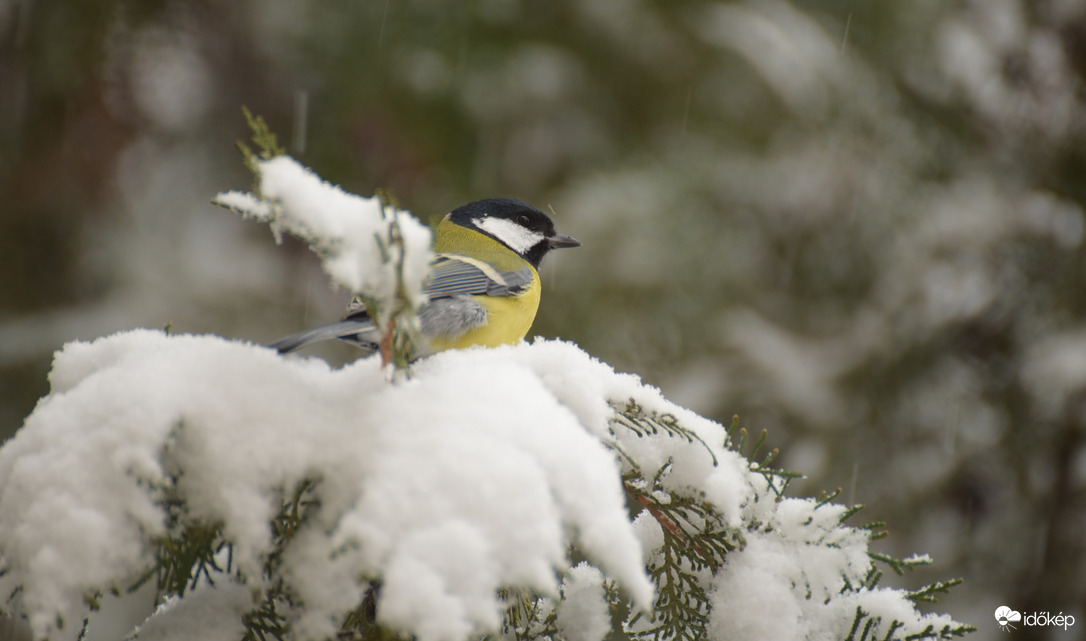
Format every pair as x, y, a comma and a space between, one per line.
361, 332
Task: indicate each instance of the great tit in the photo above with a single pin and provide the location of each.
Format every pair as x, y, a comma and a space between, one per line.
483, 286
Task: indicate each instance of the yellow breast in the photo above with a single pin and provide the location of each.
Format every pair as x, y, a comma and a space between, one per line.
508, 317
508, 320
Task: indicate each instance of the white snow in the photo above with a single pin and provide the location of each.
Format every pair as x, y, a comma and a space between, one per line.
461, 480
468, 477
754, 596
786, 582
583, 614
245, 203
341, 226
206, 614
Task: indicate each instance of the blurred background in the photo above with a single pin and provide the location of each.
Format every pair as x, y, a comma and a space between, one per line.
855, 223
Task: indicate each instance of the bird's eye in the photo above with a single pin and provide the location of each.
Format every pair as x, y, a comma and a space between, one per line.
524, 220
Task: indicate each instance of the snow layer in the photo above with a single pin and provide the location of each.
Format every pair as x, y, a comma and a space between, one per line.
463, 479
476, 473
208, 614
583, 614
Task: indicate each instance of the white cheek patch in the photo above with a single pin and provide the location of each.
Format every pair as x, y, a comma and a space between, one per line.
519, 239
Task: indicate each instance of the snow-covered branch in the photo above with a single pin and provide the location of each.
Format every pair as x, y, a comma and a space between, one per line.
374, 250
293, 499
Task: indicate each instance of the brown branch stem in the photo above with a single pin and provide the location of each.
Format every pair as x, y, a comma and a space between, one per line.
667, 523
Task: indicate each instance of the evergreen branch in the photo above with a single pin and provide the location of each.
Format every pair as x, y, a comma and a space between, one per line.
264, 623
825, 497
757, 444
635, 468
292, 514
361, 623
928, 593
742, 443
633, 416
527, 616
732, 430
668, 524
899, 566
859, 617
189, 549
93, 600
183, 559
871, 630
269, 619
192, 552
682, 604
695, 543
894, 625
777, 479
949, 632
263, 137
850, 512
398, 341
874, 575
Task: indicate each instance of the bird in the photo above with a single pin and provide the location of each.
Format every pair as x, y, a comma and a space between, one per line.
483, 287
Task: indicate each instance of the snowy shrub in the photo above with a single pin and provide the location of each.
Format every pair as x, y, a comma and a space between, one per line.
523, 492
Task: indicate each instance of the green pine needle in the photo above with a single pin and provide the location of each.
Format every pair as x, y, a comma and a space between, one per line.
267, 143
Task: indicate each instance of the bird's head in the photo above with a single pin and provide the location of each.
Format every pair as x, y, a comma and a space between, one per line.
515, 224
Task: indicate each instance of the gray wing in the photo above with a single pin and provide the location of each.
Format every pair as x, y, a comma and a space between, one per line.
451, 285
450, 312
454, 275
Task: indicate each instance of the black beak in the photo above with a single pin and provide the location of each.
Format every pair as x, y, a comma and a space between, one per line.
560, 240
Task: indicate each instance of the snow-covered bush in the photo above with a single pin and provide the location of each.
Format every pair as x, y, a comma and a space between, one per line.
523, 492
